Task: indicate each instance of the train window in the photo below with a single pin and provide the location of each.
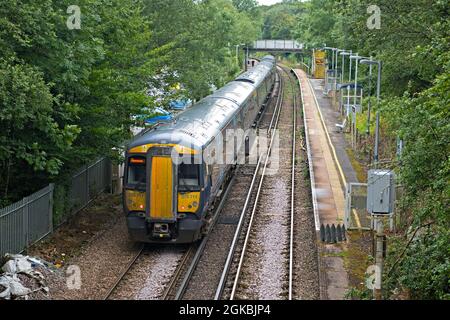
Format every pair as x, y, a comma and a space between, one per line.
188, 177
136, 176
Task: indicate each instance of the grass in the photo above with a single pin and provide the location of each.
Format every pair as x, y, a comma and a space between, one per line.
361, 173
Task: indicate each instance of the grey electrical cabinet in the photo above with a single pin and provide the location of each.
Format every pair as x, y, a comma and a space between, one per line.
381, 192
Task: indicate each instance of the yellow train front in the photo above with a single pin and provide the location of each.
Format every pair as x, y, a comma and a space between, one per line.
170, 182
174, 207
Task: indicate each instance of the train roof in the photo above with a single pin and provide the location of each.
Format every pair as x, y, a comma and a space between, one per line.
256, 75
197, 126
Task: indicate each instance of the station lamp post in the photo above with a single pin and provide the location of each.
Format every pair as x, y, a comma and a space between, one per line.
332, 55
356, 57
237, 52
344, 54
338, 52
371, 62
337, 59
377, 132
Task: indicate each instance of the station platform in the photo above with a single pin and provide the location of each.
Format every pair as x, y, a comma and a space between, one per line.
331, 170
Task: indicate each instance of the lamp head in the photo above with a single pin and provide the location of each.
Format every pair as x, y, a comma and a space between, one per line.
367, 61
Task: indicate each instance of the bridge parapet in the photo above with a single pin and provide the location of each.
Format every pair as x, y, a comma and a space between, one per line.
277, 45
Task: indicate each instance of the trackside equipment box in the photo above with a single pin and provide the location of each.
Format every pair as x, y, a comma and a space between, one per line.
380, 192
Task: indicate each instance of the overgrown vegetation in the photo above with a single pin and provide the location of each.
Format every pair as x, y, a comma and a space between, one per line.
68, 96
413, 44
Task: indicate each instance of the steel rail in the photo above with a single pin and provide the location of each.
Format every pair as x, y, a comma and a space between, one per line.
124, 273
276, 115
177, 273
201, 248
310, 158
291, 244
232, 251
258, 194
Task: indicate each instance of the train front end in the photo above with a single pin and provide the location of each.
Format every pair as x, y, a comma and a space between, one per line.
163, 198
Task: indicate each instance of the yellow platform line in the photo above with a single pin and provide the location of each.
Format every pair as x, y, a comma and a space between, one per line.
333, 149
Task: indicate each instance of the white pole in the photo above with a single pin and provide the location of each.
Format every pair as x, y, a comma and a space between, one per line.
350, 74
356, 80
370, 97
379, 259
332, 60
337, 61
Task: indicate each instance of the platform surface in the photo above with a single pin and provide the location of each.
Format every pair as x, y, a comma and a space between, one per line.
330, 175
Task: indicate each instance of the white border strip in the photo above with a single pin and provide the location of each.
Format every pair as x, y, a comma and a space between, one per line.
311, 167
330, 143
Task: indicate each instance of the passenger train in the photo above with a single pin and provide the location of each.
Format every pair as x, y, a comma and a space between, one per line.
169, 184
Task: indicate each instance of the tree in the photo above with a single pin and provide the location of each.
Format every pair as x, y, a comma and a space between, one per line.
245, 5
67, 95
30, 136
200, 37
280, 20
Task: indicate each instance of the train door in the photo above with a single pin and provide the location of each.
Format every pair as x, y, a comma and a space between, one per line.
161, 186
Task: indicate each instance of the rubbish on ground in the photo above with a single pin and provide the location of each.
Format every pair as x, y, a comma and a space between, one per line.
11, 286
14, 287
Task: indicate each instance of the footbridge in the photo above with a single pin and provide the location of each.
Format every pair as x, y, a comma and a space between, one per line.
292, 46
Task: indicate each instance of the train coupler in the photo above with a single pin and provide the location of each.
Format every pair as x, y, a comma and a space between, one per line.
161, 231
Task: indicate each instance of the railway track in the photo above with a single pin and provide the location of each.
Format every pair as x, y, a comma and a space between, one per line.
183, 273
176, 288
181, 278
124, 273
181, 281
231, 276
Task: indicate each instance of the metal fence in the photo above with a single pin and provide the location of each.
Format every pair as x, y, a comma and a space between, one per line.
27, 221
356, 215
87, 183
31, 219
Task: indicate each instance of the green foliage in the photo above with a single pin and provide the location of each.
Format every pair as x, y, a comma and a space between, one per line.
280, 20
201, 38
358, 294
423, 122
424, 272
245, 5
30, 134
413, 44
68, 96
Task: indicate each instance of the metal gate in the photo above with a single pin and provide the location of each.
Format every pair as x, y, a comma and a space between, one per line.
356, 215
